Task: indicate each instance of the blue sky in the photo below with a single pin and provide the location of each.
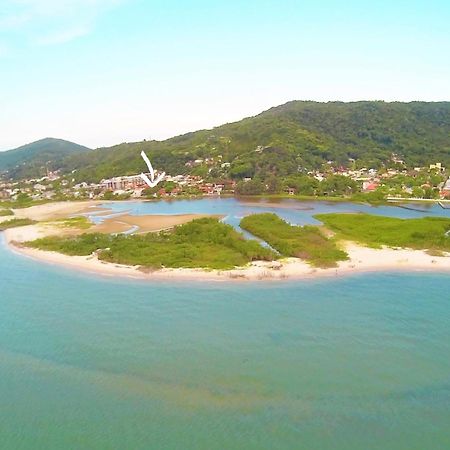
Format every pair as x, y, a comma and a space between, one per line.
101, 72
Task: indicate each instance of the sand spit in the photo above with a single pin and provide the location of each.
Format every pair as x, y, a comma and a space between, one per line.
117, 223
145, 224
57, 210
362, 259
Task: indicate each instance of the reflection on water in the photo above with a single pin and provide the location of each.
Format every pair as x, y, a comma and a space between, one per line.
293, 211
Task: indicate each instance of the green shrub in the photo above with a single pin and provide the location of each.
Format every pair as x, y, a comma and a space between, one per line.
15, 223
81, 222
205, 243
306, 242
424, 233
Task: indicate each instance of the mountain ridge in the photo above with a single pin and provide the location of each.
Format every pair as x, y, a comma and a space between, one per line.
286, 138
35, 157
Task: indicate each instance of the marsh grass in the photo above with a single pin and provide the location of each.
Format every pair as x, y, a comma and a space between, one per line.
6, 212
202, 243
426, 233
307, 242
13, 223
80, 222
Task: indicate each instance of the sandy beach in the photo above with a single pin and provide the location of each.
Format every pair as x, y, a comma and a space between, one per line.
56, 210
362, 259
145, 224
119, 223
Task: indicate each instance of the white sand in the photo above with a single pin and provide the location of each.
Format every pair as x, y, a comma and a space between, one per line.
362, 259
5, 218
56, 210
145, 224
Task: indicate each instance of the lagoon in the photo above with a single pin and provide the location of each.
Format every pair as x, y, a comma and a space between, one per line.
294, 211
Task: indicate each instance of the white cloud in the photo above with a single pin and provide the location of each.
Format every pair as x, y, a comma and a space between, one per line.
49, 22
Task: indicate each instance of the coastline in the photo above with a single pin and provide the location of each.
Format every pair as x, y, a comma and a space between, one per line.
57, 210
123, 223
362, 260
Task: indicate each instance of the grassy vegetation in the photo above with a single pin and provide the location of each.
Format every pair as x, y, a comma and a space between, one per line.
424, 233
6, 212
205, 243
24, 202
81, 222
15, 223
306, 242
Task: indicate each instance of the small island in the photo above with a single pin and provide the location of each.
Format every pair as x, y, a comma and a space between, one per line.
195, 246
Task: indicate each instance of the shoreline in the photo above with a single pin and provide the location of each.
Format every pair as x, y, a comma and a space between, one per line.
125, 223
362, 260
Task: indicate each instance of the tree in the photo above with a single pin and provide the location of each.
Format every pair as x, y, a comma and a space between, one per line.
23, 198
274, 185
169, 186
338, 185
417, 192
303, 184
252, 187
242, 170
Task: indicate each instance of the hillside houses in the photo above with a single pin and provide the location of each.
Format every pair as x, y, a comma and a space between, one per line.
419, 182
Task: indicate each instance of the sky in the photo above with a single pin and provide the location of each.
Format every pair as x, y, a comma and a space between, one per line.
102, 72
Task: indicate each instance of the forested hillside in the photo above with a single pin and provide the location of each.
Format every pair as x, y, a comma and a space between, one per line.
295, 135
33, 159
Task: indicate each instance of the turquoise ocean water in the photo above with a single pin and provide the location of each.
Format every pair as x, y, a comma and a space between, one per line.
361, 362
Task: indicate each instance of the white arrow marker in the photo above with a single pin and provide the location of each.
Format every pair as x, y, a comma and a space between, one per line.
152, 182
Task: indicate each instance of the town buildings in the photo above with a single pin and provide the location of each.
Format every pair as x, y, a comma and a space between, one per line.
395, 181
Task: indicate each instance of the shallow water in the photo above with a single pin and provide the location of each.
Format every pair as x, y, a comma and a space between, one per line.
293, 211
361, 362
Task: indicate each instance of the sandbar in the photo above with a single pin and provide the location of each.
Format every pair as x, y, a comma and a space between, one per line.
361, 259
145, 223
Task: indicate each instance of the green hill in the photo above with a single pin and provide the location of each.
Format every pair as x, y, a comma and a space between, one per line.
285, 138
33, 159
281, 141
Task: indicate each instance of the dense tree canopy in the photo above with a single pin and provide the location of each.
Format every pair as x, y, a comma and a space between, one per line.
287, 140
